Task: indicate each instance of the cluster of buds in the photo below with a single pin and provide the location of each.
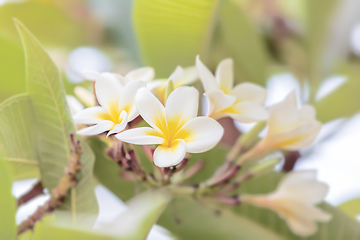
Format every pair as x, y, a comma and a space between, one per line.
170, 109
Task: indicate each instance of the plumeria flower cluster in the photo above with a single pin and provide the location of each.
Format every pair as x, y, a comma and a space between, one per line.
177, 131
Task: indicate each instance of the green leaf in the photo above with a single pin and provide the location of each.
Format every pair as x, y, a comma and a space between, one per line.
342, 102
7, 204
173, 32
17, 137
46, 232
351, 207
12, 69
197, 221
241, 41
54, 125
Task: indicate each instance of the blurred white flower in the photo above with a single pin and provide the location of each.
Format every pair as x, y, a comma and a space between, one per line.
144, 74
289, 127
180, 77
294, 201
74, 104
243, 103
85, 96
116, 108
175, 127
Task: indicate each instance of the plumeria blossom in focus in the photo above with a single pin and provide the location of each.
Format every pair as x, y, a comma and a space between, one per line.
294, 201
180, 77
175, 127
290, 127
145, 74
243, 103
116, 107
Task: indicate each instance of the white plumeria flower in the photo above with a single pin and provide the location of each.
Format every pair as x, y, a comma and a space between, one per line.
116, 107
243, 103
289, 127
145, 74
180, 77
294, 200
175, 127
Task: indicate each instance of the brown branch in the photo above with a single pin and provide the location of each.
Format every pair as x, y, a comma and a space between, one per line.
36, 190
58, 193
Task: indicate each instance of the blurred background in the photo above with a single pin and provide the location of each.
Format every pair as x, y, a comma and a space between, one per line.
310, 46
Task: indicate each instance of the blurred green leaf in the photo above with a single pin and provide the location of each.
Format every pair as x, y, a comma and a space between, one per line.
142, 213
133, 224
51, 24
351, 207
245, 220
318, 16
12, 69
17, 137
54, 125
343, 101
46, 232
7, 204
197, 221
243, 43
173, 32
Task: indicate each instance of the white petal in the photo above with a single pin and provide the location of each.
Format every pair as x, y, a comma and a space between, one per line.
249, 92
284, 115
151, 109
91, 75
248, 112
307, 112
170, 156
177, 74
85, 96
97, 129
189, 76
108, 90
206, 77
297, 138
201, 134
302, 186
140, 136
89, 115
117, 77
218, 101
302, 219
127, 98
299, 221
74, 104
119, 127
145, 74
224, 75
182, 105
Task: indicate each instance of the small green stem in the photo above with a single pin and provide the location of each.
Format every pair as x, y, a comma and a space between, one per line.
245, 141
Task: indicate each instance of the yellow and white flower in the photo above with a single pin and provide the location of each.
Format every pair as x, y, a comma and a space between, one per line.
180, 77
243, 103
294, 200
290, 127
116, 108
175, 127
